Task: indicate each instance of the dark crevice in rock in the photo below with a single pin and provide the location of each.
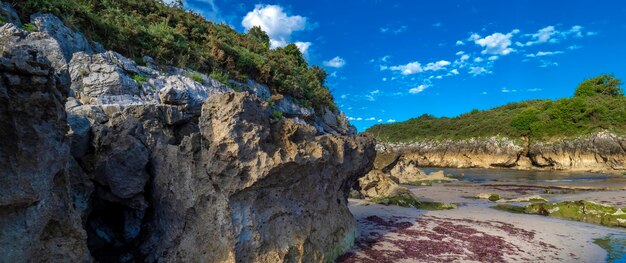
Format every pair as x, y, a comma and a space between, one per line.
117, 227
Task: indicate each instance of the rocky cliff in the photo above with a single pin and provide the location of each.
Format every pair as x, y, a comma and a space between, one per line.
600, 151
107, 160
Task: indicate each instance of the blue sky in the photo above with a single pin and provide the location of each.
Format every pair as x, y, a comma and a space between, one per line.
393, 60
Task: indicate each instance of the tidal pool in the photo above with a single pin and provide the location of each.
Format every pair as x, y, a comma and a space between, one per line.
615, 246
536, 178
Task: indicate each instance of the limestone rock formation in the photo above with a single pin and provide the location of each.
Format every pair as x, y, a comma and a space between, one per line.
378, 184
39, 221
600, 151
109, 161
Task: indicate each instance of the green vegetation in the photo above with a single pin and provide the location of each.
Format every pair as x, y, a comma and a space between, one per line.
220, 76
601, 85
2, 22
509, 208
399, 200
408, 201
494, 197
428, 182
599, 104
277, 115
29, 27
140, 78
196, 76
583, 211
173, 36
437, 206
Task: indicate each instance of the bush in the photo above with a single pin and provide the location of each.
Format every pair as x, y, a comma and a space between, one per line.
537, 119
220, 76
140, 78
195, 76
173, 36
277, 115
29, 27
601, 85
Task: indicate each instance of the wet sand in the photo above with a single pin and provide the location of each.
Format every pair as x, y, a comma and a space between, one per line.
475, 232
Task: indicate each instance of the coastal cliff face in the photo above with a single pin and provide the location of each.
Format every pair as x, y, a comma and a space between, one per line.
600, 151
101, 165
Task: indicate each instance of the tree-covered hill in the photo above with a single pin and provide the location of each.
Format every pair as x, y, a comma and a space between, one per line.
181, 38
598, 104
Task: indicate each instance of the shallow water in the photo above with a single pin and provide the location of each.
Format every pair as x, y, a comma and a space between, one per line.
615, 246
539, 178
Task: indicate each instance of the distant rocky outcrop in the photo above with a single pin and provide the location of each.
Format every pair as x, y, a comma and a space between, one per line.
110, 161
601, 151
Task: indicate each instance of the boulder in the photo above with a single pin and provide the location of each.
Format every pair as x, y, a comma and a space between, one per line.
68, 40
406, 171
182, 90
378, 184
290, 107
98, 77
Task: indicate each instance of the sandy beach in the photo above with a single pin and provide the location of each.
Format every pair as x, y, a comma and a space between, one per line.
474, 232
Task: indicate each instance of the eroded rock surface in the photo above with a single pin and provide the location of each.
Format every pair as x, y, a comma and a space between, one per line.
39, 221
600, 151
114, 162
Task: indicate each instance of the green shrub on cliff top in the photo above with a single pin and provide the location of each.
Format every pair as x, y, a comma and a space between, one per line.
173, 36
601, 85
536, 119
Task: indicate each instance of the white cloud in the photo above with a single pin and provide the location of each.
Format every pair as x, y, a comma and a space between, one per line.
496, 43
415, 67
544, 35
574, 47
454, 71
418, 89
550, 34
391, 120
351, 118
484, 93
380, 120
435, 66
474, 37
492, 58
506, 90
336, 62
370, 119
374, 92
465, 57
359, 119
534, 89
400, 29
547, 63
396, 30
460, 53
408, 69
478, 59
277, 24
460, 43
303, 47
544, 53
384, 79
477, 71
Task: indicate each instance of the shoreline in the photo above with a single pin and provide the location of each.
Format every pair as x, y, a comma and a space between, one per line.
398, 234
